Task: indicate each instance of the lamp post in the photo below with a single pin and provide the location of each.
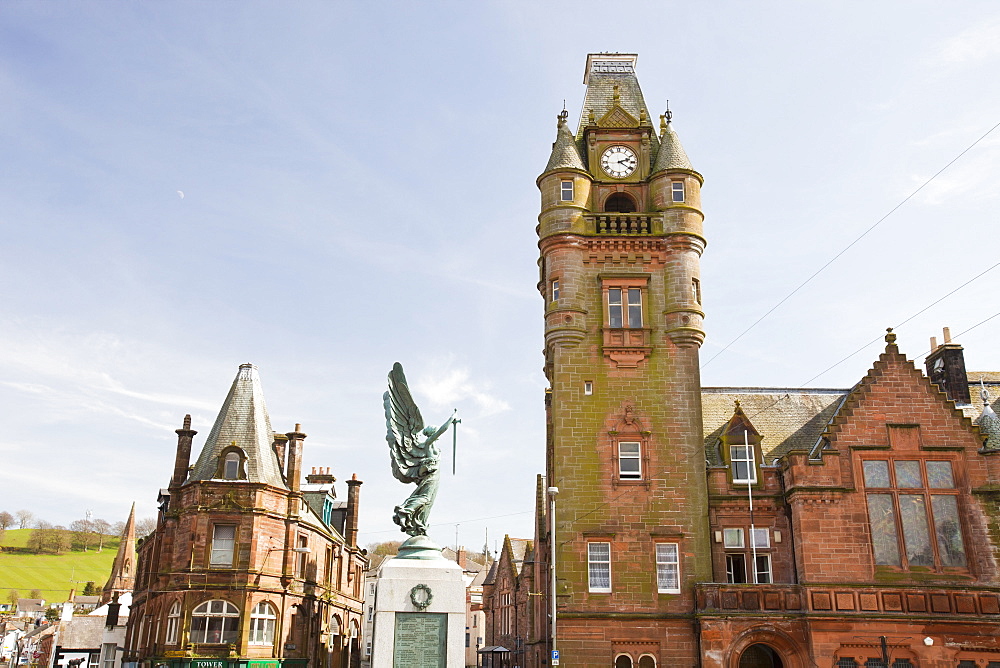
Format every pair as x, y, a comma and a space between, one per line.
553, 491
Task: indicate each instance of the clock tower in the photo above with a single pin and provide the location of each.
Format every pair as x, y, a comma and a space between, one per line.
620, 240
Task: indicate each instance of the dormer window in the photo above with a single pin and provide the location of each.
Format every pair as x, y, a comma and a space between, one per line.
232, 464
744, 466
231, 469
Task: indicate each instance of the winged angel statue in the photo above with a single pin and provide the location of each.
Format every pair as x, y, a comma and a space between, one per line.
413, 460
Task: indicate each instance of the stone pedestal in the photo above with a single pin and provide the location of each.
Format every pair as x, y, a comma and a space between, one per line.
419, 614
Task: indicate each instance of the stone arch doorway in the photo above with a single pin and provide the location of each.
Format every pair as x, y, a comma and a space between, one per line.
760, 655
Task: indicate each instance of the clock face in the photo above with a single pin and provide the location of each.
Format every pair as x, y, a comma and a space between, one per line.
619, 161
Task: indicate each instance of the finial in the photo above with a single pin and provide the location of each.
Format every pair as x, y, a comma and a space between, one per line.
642, 115
615, 96
187, 421
663, 124
983, 393
737, 402
668, 114
563, 115
590, 117
890, 338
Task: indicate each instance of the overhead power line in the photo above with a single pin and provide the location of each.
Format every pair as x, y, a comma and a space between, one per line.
849, 246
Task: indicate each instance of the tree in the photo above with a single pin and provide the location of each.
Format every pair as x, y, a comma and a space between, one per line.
40, 537
35, 593
118, 528
83, 533
102, 529
24, 518
13, 596
89, 589
60, 540
6, 520
52, 614
145, 526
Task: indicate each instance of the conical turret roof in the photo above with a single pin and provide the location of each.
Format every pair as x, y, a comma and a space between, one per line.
243, 421
671, 154
565, 154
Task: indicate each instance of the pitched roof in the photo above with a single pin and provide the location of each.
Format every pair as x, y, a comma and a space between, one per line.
787, 418
244, 421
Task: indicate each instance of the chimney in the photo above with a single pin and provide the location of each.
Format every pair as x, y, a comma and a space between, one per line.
183, 459
293, 476
351, 525
461, 556
946, 368
114, 609
320, 476
280, 441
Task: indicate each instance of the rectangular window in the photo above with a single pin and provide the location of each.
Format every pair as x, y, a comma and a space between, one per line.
301, 565
371, 612
588, 387
763, 572
667, 569
744, 466
368, 648
108, 650
624, 314
696, 290
599, 566
909, 525
566, 191
736, 569
555, 291
677, 191
629, 461
223, 542
732, 538
94, 660
761, 538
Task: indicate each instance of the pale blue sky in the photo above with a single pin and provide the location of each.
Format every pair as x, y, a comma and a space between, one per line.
358, 185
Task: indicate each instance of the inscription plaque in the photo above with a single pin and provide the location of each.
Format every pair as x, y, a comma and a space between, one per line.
420, 640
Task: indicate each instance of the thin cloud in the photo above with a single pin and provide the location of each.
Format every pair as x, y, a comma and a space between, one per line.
973, 45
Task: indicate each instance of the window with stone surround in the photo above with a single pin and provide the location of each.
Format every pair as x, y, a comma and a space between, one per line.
913, 513
627, 341
173, 623
677, 191
223, 545
599, 567
630, 460
262, 621
566, 190
624, 308
668, 579
214, 622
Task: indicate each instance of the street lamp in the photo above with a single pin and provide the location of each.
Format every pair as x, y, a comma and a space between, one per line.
553, 491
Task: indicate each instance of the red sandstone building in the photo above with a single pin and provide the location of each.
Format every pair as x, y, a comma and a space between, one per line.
732, 527
247, 566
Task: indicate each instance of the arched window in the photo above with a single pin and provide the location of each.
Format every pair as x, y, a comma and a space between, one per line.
262, 624
620, 203
623, 661
173, 623
215, 622
647, 661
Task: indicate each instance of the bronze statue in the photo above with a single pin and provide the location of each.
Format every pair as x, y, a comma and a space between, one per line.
413, 460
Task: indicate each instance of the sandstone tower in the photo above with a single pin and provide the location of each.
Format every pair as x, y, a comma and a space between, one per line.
620, 239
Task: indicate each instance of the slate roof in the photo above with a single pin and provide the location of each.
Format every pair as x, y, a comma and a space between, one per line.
565, 154
671, 154
600, 92
81, 632
787, 418
983, 409
243, 420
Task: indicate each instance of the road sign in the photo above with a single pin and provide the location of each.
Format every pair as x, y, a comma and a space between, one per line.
555, 657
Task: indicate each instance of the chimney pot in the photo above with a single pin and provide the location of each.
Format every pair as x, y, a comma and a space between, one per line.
933, 343
947, 335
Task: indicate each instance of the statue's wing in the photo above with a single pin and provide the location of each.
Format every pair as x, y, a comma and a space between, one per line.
403, 425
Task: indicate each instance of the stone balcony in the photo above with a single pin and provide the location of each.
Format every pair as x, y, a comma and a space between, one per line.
623, 224
848, 600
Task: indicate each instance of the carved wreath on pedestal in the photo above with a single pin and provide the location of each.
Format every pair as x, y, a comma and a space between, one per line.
421, 596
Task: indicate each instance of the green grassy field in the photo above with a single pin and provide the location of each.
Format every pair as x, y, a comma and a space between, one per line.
53, 575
